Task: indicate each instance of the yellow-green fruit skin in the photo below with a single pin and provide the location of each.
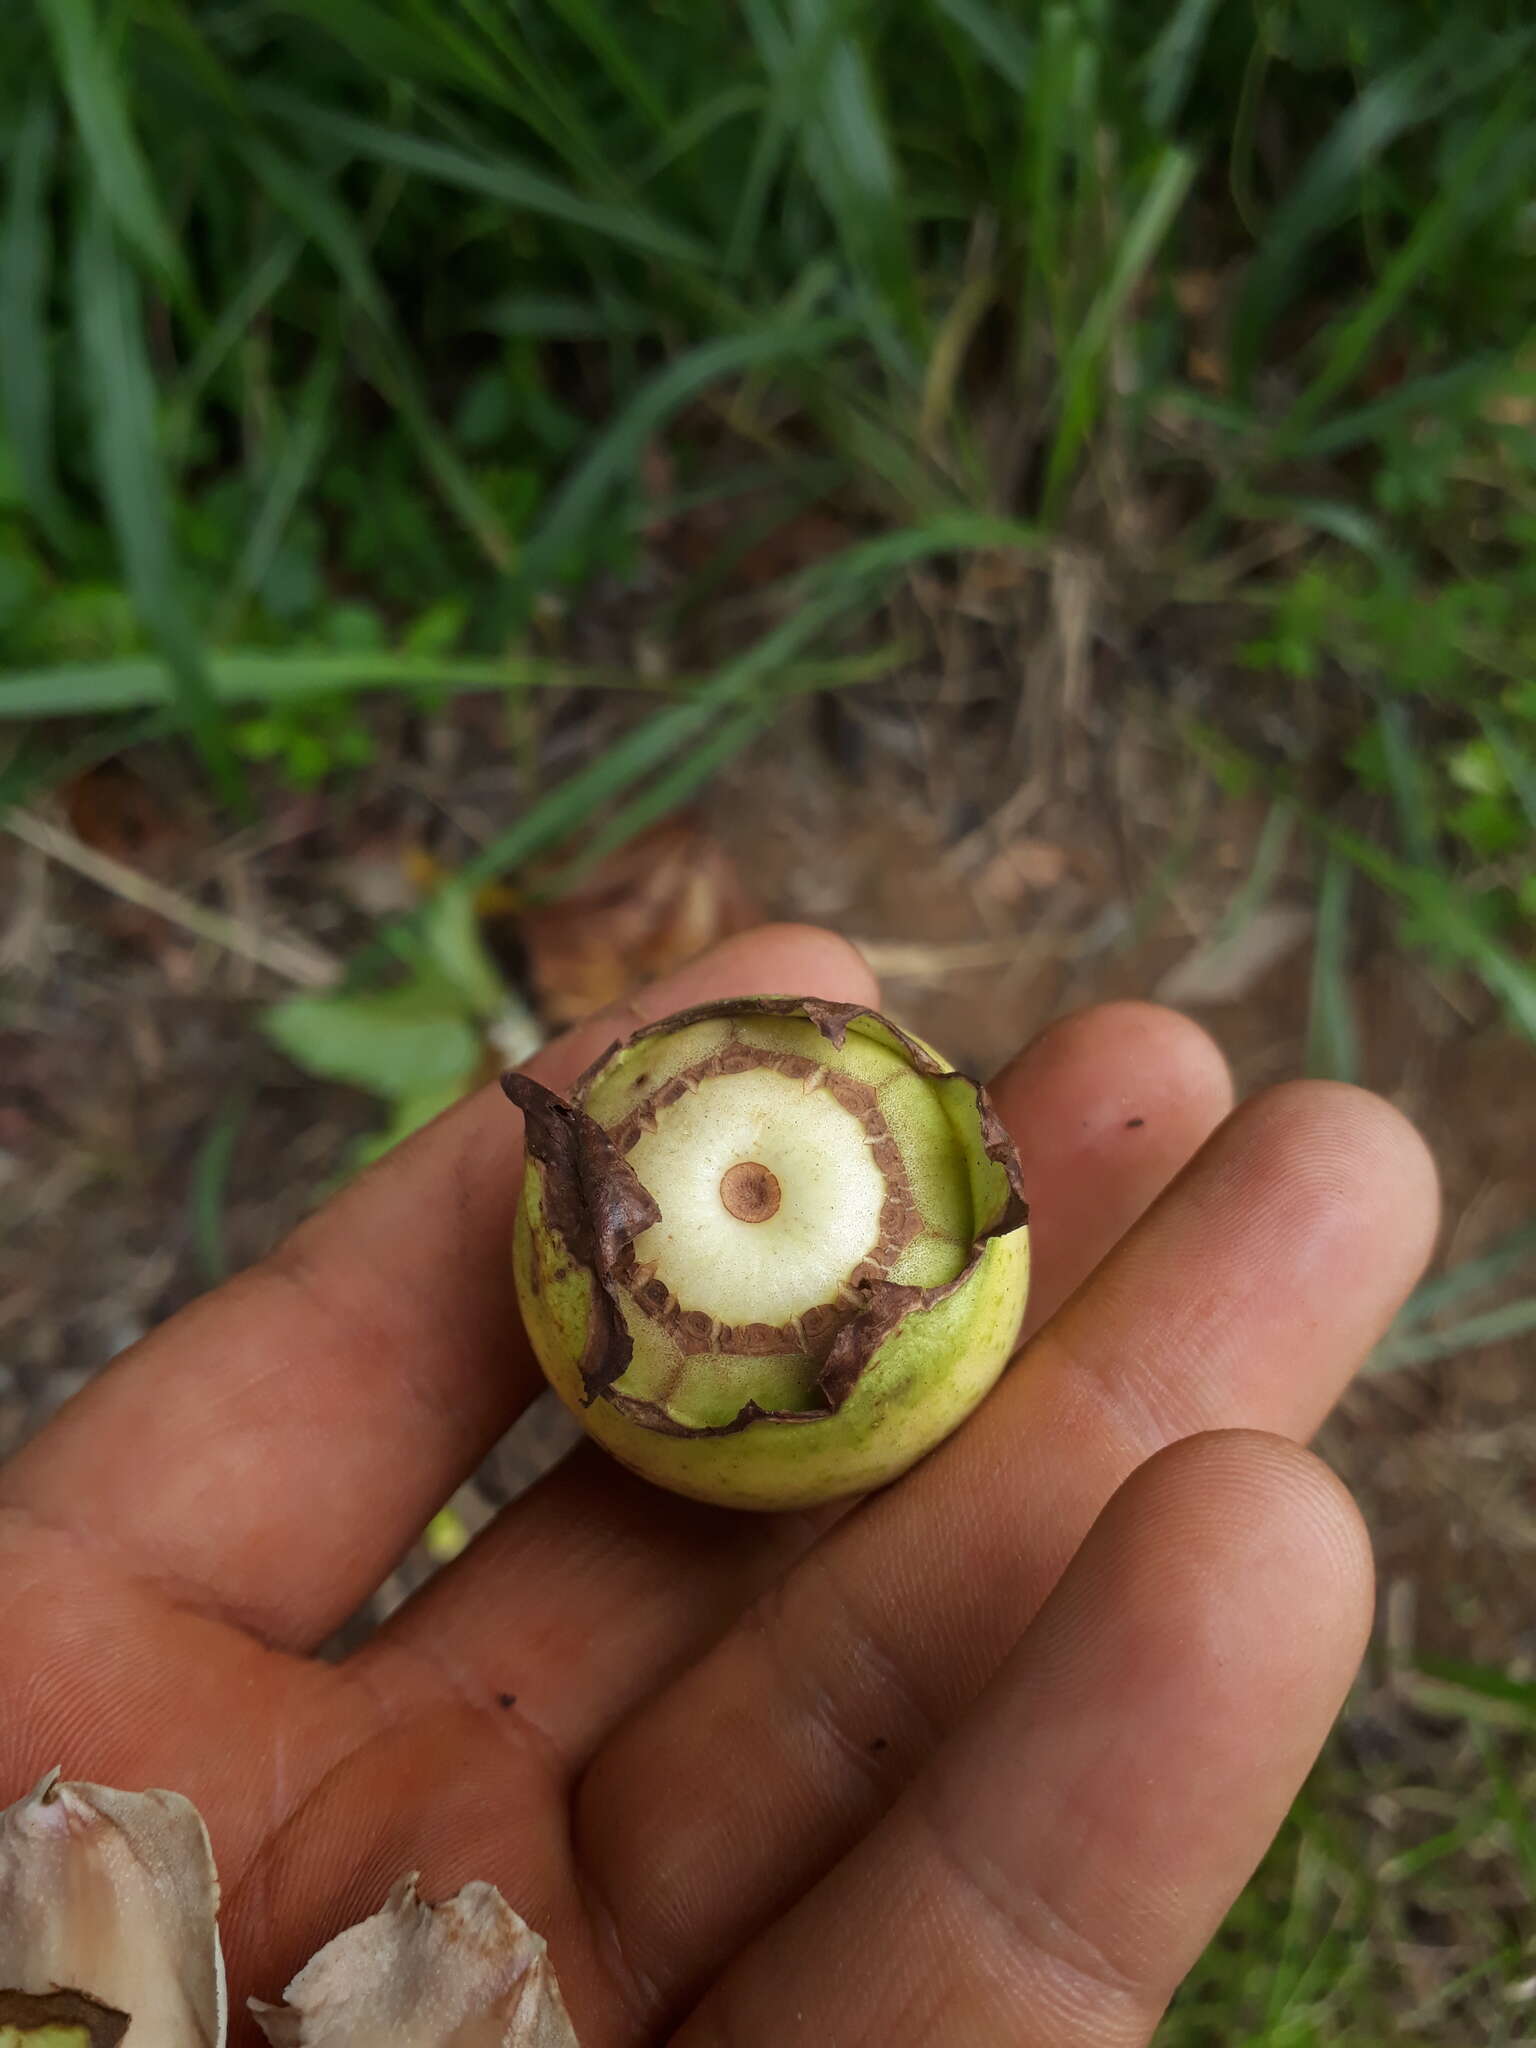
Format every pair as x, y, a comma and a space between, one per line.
919, 1386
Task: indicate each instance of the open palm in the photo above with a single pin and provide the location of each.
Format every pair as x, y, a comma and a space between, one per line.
982, 1761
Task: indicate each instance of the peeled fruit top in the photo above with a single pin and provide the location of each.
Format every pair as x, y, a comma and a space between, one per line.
741, 1207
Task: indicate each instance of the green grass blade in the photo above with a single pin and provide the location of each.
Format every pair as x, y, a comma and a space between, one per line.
600, 33
1172, 60
312, 205
836, 589
1001, 42
1509, 1254
87, 56
88, 689
1037, 199
1446, 912
115, 363
1143, 237
500, 177
1320, 200
1515, 758
1333, 1045
1268, 864
1513, 1811
1408, 780
852, 158
26, 367
771, 148
94, 689
569, 806
1467, 188
615, 455
666, 793
265, 279
1449, 1685
388, 45
209, 1192
1437, 394
291, 477
551, 316
1496, 1326
697, 126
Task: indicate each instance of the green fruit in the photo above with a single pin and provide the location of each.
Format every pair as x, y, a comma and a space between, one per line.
772, 1252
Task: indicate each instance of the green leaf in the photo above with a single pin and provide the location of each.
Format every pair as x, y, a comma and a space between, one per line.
87, 56
451, 940
407, 1115
1333, 1044
1172, 60
26, 366
500, 177
394, 1042
115, 362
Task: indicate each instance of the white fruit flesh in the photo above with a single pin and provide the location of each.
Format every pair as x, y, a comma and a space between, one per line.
830, 1195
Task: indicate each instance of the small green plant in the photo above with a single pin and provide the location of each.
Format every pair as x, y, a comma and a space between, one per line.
421, 1042
310, 742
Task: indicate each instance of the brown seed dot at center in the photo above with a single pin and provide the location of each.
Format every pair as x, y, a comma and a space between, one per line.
750, 1192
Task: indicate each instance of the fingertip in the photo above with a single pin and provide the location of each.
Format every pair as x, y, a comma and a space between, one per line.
1357, 1170
1106, 1106
785, 959
1264, 1513
1143, 1056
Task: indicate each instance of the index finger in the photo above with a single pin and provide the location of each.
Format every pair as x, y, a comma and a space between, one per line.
272, 1450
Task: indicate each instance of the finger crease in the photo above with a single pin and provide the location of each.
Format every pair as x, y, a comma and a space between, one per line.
1029, 1920
876, 1703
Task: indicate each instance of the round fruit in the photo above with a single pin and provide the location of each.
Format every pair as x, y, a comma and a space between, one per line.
772, 1251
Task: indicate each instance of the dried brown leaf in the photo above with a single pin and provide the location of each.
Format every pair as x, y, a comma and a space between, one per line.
1025, 867
652, 905
466, 1974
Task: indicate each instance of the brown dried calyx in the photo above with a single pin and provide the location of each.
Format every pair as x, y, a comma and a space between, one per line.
109, 1935
466, 1974
108, 1899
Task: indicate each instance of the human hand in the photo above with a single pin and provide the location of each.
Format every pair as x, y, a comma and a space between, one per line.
982, 1761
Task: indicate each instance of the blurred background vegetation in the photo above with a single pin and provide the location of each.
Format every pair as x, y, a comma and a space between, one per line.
357, 356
